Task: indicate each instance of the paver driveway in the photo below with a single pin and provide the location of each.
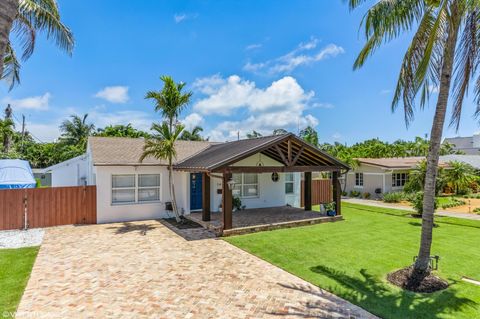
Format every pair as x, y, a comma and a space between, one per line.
144, 269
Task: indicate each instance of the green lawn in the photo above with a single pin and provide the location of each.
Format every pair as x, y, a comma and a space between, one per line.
352, 258
15, 268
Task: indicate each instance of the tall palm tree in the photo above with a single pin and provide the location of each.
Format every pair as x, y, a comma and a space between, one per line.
193, 135
170, 102
76, 131
162, 146
6, 133
309, 135
432, 59
24, 18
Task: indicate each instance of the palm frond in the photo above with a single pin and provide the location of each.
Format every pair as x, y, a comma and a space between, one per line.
11, 67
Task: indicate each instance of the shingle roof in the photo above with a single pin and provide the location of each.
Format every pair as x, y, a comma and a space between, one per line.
127, 151
396, 162
464, 144
227, 153
217, 154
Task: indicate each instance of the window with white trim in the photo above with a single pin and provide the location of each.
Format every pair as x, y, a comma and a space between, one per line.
289, 183
399, 179
148, 187
246, 185
123, 188
135, 188
359, 179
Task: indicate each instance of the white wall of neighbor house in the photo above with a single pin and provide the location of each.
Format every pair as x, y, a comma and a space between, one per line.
373, 178
108, 211
270, 193
72, 172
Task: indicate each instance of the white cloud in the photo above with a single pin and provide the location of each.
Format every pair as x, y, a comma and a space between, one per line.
139, 120
385, 91
114, 94
253, 46
226, 95
295, 58
180, 17
44, 132
192, 120
337, 136
279, 105
322, 105
39, 103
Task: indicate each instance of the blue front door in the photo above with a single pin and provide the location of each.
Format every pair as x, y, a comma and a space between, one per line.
196, 191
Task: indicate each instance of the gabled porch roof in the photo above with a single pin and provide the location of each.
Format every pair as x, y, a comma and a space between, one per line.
288, 149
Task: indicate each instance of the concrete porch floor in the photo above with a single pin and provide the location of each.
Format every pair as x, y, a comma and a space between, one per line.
259, 219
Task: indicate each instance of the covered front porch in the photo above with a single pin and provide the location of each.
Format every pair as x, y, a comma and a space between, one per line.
258, 219
271, 158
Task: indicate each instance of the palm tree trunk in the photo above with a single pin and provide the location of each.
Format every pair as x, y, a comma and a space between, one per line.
421, 267
172, 191
8, 12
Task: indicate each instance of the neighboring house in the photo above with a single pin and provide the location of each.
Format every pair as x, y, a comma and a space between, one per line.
390, 174
72, 172
266, 173
44, 178
469, 145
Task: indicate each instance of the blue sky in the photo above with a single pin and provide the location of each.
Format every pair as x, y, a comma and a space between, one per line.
251, 65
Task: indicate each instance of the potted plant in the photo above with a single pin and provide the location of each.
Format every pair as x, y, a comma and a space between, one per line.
330, 208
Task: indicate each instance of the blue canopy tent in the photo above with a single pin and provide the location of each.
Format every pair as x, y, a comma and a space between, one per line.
16, 173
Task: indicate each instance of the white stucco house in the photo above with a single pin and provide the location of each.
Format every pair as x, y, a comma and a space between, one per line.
265, 172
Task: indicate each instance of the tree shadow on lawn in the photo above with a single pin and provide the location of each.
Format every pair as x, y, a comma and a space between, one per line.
392, 302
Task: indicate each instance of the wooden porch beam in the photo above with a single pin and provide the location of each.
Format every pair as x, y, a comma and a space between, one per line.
337, 193
205, 197
295, 159
289, 148
278, 169
227, 202
279, 151
307, 191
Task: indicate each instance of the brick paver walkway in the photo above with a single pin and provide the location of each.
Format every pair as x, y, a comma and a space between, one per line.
144, 269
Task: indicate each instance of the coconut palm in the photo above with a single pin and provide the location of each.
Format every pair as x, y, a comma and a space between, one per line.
24, 18
431, 60
76, 131
162, 146
459, 175
193, 135
6, 133
309, 135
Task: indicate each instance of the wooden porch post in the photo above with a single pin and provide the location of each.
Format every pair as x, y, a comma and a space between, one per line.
337, 192
227, 202
307, 191
205, 197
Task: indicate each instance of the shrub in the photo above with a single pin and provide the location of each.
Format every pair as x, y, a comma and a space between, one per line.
354, 193
477, 210
394, 197
344, 193
454, 203
417, 203
237, 203
367, 195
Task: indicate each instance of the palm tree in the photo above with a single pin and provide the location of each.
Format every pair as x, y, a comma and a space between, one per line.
25, 18
459, 175
170, 102
309, 135
193, 135
162, 146
76, 131
431, 60
6, 132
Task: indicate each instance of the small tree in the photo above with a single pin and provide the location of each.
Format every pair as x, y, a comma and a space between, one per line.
459, 176
162, 146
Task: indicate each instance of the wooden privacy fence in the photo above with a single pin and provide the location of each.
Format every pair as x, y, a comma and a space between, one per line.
321, 191
44, 207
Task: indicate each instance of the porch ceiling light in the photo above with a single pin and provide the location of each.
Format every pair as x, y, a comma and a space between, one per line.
231, 184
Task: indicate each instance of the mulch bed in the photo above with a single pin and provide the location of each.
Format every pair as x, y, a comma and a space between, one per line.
184, 224
402, 278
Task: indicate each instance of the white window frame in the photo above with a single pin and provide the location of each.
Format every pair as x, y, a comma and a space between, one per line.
136, 188
290, 182
395, 179
359, 179
242, 185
